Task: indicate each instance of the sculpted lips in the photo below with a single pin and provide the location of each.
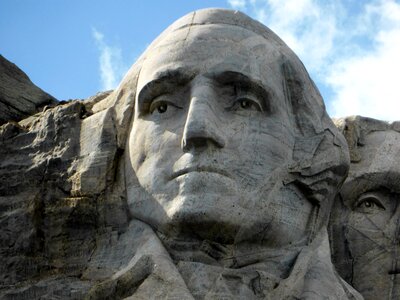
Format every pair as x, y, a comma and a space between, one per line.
207, 169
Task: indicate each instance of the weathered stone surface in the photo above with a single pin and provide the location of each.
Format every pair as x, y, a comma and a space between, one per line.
37, 211
208, 174
19, 97
234, 163
51, 219
365, 220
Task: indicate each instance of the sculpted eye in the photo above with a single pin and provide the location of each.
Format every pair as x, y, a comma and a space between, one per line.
369, 203
246, 104
161, 107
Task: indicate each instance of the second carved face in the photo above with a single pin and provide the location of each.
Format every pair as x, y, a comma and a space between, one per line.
366, 227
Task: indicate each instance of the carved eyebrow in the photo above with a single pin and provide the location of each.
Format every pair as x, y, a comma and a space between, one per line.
242, 82
368, 182
164, 81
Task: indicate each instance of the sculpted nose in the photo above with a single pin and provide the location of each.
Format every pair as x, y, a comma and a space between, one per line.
202, 127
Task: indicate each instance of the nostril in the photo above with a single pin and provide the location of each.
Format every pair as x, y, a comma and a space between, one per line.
198, 142
201, 143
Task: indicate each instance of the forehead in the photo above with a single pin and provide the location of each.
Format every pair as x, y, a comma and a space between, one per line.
379, 165
380, 152
212, 49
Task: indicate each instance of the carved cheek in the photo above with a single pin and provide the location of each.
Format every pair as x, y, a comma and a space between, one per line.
366, 233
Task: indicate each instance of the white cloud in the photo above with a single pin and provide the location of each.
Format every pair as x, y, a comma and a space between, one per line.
307, 27
367, 84
351, 48
110, 62
237, 4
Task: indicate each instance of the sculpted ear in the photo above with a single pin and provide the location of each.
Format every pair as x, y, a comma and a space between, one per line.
319, 166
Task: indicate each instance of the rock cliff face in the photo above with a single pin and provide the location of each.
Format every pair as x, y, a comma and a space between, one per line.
365, 222
44, 229
19, 97
49, 219
88, 210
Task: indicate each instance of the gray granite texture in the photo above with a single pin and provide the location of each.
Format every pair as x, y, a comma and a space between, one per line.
19, 97
209, 173
366, 216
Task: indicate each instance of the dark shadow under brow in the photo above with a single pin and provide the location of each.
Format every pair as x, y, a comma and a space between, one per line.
164, 82
244, 83
369, 182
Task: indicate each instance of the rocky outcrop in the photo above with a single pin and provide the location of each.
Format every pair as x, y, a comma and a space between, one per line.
19, 97
365, 219
199, 183
49, 219
39, 217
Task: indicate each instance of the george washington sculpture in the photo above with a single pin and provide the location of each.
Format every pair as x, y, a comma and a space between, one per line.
214, 166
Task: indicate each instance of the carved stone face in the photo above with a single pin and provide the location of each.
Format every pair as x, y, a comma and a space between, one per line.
211, 140
372, 229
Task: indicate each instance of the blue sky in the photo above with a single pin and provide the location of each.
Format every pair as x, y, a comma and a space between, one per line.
73, 49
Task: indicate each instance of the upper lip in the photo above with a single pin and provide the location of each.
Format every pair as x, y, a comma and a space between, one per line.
199, 169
